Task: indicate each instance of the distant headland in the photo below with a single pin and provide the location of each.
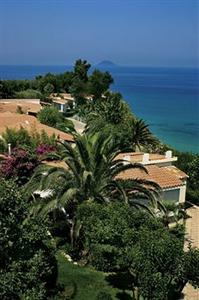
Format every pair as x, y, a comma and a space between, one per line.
107, 63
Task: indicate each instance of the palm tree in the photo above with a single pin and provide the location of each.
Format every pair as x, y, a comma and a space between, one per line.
171, 213
142, 136
89, 175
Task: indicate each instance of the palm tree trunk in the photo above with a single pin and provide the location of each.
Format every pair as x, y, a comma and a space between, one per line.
72, 233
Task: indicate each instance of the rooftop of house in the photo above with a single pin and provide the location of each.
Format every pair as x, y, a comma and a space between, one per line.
16, 121
146, 158
61, 98
165, 177
26, 106
60, 101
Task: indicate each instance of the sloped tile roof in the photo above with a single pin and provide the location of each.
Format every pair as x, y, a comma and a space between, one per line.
163, 176
11, 106
13, 120
178, 172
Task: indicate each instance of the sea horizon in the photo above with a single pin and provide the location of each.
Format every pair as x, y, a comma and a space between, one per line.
167, 98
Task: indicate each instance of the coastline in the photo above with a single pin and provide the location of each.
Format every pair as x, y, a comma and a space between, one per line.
166, 98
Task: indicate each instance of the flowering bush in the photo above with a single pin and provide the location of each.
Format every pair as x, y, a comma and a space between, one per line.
44, 149
20, 165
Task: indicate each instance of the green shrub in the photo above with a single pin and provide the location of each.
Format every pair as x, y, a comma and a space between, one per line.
28, 268
107, 235
49, 88
119, 239
3, 146
192, 196
17, 137
50, 116
22, 138
28, 94
103, 295
189, 163
66, 126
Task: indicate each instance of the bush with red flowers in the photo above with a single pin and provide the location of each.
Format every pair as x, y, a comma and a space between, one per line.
19, 165
45, 149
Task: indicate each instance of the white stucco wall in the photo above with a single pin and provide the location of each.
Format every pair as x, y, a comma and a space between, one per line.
182, 194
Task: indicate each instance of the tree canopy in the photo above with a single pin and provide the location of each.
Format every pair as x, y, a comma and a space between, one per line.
28, 267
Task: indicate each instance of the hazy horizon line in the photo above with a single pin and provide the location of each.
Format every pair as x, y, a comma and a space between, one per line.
101, 65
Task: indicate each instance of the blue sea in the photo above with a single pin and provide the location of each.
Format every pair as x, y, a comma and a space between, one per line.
166, 98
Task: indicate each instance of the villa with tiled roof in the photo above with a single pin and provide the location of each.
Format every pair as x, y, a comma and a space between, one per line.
63, 101
160, 170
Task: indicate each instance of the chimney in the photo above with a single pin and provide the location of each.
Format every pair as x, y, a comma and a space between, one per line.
127, 159
145, 158
168, 154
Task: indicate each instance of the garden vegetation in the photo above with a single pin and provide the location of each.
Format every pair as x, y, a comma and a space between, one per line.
75, 231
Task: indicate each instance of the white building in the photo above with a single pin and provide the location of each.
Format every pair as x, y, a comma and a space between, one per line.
160, 170
63, 102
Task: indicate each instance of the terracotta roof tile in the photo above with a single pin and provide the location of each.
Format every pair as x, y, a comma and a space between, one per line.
13, 120
25, 106
177, 172
161, 175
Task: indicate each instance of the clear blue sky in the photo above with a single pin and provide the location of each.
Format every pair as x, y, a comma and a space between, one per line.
128, 32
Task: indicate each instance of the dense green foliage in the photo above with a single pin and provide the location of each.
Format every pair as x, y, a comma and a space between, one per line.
41, 84
116, 226
8, 88
82, 283
28, 268
112, 115
28, 94
52, 117
99, 83
23, 139
119, 239
107, 111
77, 82
189, 163
90, 176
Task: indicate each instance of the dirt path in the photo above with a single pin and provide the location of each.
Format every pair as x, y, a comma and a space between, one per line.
192, 231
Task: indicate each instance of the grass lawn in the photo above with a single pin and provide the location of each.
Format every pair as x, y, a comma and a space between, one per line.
85, 283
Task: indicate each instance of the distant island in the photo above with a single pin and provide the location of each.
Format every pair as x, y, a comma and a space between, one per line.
106, 63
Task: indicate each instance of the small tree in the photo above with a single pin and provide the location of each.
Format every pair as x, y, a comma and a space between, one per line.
50, 116
99, 83
49, 88
28, 269
81, 69
118, 239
